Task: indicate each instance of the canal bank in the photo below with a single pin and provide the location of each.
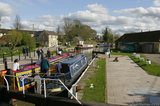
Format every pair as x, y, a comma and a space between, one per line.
128, 84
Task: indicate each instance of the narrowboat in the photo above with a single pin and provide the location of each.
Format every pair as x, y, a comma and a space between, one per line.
28, 70
84, 46
67, 69
70, 70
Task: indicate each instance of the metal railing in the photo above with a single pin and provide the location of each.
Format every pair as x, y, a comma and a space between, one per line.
44, 84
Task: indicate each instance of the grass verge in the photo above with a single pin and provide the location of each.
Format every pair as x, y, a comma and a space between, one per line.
96, 94
152, 69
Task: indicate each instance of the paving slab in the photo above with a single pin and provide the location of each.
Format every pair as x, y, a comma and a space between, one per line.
128, 84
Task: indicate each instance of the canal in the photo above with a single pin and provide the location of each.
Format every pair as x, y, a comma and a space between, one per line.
85, 51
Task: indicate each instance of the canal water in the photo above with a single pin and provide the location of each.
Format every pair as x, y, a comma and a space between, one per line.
85, 51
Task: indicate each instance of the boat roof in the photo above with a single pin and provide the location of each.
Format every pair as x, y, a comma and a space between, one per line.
73, 59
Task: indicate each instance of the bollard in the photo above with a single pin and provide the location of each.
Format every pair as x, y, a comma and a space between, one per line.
19, 56
34, 53
11, 57
31, 60
5, 64
25, 55
3, 57
30, 54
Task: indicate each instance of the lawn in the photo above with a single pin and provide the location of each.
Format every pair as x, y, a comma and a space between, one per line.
6, 50
97, 93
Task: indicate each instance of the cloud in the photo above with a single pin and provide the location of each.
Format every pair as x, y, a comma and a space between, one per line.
156, 3
98, 17
97, 8
5, 9
45, 22
141, 12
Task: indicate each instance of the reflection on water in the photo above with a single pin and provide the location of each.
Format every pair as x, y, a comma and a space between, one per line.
86, 51
89, 51
22, 103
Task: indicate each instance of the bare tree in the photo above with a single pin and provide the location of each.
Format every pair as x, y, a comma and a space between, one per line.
17, 23
58, 30
67, 25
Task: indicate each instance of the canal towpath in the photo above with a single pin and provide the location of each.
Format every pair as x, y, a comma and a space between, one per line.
24, 60
129, 84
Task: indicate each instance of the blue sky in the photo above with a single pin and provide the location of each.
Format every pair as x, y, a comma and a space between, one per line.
120, 16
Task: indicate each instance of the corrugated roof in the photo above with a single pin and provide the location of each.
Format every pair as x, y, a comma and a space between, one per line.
150, 36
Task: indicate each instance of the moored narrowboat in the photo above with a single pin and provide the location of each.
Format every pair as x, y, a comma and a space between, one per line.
71, 69
66, 70
28, 70
84, 46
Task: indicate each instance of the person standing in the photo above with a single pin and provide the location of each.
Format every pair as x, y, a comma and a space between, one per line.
109, 52
39, 54
15, 65
59, 67
44, 66
23, 51
48, 53
27, 50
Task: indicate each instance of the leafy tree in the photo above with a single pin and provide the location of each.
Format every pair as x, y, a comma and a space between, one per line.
27, 40
108, 36
81, 30
13, 38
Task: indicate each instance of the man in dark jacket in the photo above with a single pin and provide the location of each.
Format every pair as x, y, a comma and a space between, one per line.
24, 51
48, 53
44, 66
39, 54
27, 50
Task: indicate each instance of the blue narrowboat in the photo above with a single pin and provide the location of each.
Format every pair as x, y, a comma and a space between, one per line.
70, 70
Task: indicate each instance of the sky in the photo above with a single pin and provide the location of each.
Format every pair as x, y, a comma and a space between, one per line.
121, 16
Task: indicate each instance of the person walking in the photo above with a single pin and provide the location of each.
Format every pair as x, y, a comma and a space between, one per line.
39, 54
27, 50
48, 53
44, 65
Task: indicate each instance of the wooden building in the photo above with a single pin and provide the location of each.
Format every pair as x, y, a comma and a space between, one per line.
146, 42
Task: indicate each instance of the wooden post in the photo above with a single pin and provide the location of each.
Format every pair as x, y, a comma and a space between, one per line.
5, 64
19, 56
11, 56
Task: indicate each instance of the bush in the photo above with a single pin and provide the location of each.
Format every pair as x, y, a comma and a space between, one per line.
38, 44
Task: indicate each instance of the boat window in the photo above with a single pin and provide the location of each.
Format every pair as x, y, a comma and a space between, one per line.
65, 68
85, 59
74, 69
